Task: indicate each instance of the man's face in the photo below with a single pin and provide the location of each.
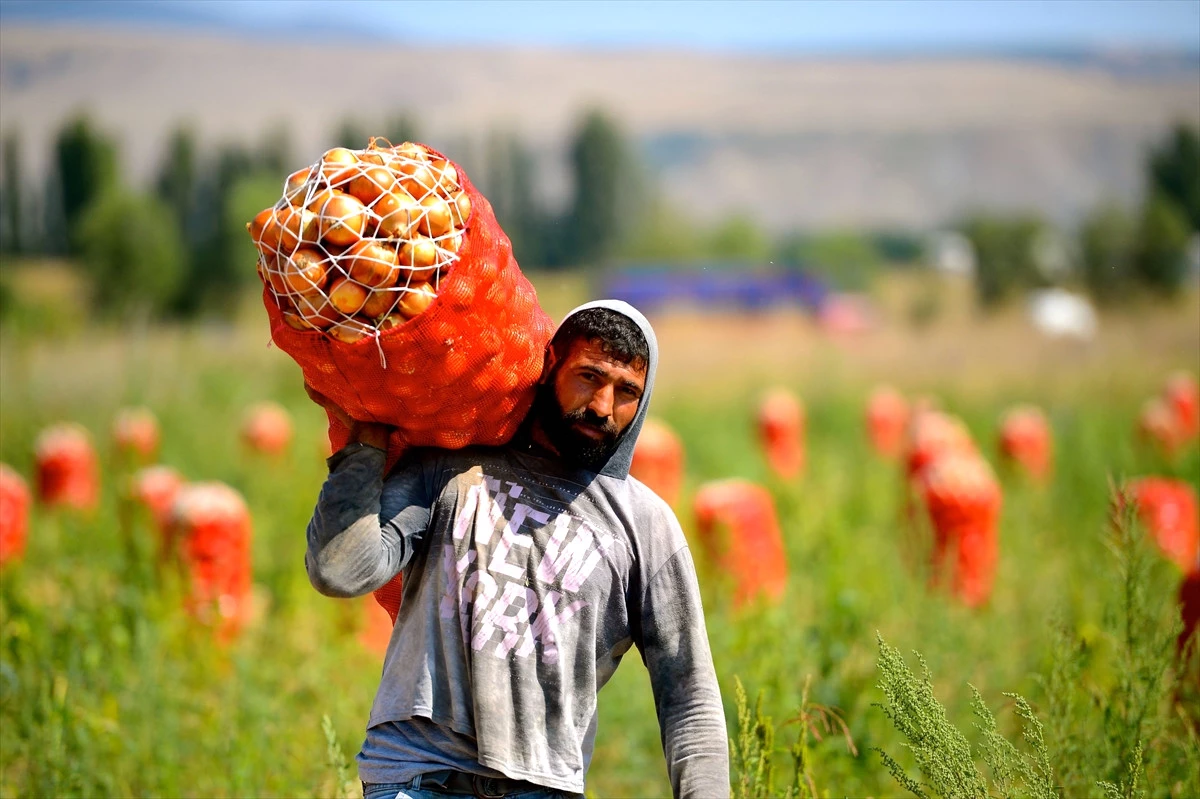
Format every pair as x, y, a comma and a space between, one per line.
588, 402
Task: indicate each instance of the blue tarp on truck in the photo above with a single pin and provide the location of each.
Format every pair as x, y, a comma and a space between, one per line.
727, 287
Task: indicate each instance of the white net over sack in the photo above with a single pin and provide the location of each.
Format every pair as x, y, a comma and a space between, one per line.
361, 240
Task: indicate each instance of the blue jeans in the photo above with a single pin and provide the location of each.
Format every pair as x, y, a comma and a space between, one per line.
396, 790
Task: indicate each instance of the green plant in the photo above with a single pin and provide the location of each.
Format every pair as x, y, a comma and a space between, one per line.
753, 746
132, 251
344, 787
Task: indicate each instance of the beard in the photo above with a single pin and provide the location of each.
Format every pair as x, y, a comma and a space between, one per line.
573, 446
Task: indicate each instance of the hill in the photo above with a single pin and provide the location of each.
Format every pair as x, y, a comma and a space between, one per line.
900, 140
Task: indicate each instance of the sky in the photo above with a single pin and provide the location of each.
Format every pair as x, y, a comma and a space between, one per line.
743, 26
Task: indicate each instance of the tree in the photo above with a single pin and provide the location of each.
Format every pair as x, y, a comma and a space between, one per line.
246, 199
1160, 253
176, 182
510, 178
1004, 254
1174, 171
604, 200
12, 198
665, 234
274, 152
213, 263
87, 167
738, 238
400, 128
132, 251
844, 258
1106, 241
352, 134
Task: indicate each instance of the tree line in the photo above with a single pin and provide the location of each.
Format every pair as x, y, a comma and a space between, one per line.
1116, 253
179, 246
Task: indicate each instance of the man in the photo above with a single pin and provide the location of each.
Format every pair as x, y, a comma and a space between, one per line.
529, 570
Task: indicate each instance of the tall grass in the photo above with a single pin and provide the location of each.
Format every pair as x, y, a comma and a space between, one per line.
107, 689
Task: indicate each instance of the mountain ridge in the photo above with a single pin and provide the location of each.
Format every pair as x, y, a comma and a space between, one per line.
799, 142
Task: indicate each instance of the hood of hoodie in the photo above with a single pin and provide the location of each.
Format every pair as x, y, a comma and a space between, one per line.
618, 464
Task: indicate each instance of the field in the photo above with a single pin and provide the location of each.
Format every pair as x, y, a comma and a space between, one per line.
106, 688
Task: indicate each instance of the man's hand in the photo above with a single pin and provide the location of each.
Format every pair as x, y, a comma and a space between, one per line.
372, 434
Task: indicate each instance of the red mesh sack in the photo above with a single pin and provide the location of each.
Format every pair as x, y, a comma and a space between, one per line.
14, 515
781, 432
1026, 441
739, 532
887, 417
1182, 393
658, 460
1168, 510
963, 500
67, 471
376, 632
458, 371
135, 435
1158, 426
267, 429
155, 488
389, 281
213, 526
931, 435
1189, 612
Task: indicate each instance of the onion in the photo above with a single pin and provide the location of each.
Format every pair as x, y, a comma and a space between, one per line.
421, 254
445, 175
416, 177
398, 214
295, 188
347, 296
338, 166
258, 226
341, 219
390, 321
350, 331
295, 226
371, 183
294, 320
436, 219
380, 302
371, 263
315, 310
411, 150
415, 300
306, 270
462, 208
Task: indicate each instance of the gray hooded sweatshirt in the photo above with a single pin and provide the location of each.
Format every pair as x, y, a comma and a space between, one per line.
525, 582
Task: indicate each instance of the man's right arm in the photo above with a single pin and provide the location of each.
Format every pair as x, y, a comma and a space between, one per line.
363, 529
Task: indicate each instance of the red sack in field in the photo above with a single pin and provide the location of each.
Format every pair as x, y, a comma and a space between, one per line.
155, 488
135, 435
1168, 510
67, 470
739, 531
887, 417
963, 500
389, 281
658, 460
781, 432
212, 524
1182, 393
14, 515
1026, 440
267, 429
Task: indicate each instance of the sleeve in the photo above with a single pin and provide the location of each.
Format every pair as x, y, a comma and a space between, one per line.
364, 528
675, 649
